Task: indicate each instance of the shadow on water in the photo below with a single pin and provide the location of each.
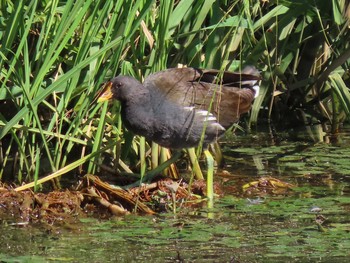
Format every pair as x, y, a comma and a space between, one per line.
310, 223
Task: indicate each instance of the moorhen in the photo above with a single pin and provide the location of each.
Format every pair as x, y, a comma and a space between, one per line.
172, 106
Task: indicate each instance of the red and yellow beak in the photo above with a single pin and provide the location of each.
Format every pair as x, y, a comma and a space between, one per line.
106, 93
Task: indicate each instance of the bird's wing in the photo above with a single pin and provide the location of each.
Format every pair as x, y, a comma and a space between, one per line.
176, 85
226, 94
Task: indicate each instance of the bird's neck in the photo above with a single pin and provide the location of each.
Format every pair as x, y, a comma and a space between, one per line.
136, 105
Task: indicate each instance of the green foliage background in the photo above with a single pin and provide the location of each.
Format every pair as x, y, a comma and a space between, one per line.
54, 56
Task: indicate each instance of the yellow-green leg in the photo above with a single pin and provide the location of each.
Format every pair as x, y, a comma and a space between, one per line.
194, 161
154, 155
142, 156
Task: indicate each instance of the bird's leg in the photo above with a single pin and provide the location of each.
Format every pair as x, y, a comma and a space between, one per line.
171, 171
194, 161
154, 155
216, 149
142, 156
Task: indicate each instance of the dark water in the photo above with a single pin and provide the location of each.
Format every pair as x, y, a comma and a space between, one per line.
277, 227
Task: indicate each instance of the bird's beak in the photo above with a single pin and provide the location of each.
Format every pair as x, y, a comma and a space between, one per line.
106, 93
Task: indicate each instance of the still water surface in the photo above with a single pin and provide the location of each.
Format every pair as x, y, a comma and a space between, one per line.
276, 227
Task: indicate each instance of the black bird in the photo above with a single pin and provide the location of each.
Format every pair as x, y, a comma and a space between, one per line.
171, 106
180, 107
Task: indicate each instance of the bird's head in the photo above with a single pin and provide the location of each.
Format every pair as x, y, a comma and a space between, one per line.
119, 88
